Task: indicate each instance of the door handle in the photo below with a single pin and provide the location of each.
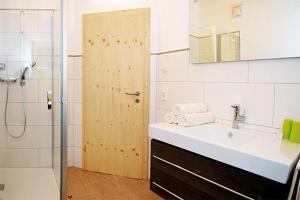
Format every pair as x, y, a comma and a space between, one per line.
133, 94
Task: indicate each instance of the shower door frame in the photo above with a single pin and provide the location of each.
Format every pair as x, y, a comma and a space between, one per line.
64, 100
63, 111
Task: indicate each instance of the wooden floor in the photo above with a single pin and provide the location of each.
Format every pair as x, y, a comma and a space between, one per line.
84, 185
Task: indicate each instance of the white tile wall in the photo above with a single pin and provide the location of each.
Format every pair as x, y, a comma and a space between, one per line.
266, 89
275, 71
256, 99
170, 93
170, 66
214, 72
34, 149
287, 98
75, 111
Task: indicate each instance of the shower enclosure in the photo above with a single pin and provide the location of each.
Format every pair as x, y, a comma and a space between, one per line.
32, 110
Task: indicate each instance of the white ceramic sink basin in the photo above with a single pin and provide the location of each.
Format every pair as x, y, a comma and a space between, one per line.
258, 152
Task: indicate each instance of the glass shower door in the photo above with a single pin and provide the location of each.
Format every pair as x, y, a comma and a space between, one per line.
30, 103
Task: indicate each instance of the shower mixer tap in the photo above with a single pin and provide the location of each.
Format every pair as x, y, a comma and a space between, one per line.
8, 79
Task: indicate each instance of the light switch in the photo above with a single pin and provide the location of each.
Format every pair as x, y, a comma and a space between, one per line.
237, 11
164, 95
164, 70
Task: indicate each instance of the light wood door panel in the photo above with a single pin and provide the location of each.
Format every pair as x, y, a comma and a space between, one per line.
116, 62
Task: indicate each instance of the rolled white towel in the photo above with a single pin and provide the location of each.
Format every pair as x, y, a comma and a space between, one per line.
171, 118
194, 119
180, 109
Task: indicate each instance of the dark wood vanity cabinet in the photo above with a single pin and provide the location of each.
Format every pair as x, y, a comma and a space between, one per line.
180, 174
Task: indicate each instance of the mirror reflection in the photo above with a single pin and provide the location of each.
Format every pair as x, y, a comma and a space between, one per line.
233, 30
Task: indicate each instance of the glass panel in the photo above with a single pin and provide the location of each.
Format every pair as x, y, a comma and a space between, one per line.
57, 72
30, 100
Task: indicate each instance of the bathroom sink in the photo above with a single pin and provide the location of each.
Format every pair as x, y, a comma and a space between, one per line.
261, 153
223, 136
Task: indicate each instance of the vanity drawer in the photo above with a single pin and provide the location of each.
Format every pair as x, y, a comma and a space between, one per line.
222, 175
187, 186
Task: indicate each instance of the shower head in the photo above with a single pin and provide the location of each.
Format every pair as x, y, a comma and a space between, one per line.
26, 68
23, 75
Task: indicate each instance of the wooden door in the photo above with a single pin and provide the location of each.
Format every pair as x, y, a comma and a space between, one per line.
116, 66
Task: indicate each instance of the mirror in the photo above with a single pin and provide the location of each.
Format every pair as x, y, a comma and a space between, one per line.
234, 30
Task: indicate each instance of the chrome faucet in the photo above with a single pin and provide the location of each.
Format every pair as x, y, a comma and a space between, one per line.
237, 118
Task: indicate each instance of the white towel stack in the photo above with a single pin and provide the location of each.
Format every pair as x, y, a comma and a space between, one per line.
192, 114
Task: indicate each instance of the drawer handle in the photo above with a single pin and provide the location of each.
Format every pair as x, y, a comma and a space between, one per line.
201, 177
168, 191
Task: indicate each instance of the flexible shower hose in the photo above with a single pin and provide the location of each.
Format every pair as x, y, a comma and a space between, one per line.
23, 110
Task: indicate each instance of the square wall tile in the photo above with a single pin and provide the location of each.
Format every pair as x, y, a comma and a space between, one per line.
2, 110
152, 115
219, 72
78, 136
10, 21
287, 103
77, 157
15, 114
153, 94
34, 137
153, 62
18, 157
37, 44
70, 68
70, 154
70, 138
2, 136
10, 44
172, 66
70, 113
78, 114
77, 68
37, 114
160, 114
78, 91
31, 21
256, 99
70, 90
171, 93
45, 157
275, 71
45, 21
29, 92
